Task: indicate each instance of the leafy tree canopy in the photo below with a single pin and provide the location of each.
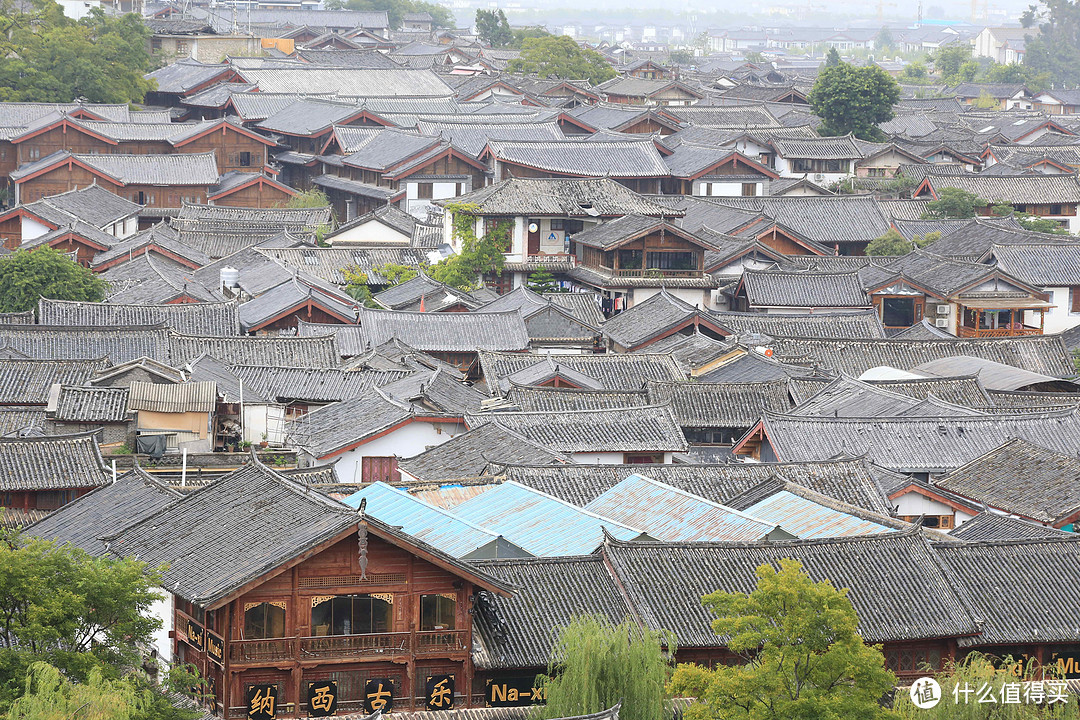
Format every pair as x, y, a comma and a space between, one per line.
914, 74
313, 198
441, 16
1013, 73
559, 56
682, 57
884, 40
493, 28
596, 663
477, 256
854, 100
48, 57
26, 276
832, 58
891, 243
542, 282
1055, 48
953, 203
803, 655
1031, 223
948, 61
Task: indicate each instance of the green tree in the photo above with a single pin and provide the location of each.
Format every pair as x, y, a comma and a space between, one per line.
493, 28
914, 74
928, 239
682, 57
313, 198
47, 57
1014, 73
953, 203
854, 100
521, 34
542, 282
596, 664
755, 57
802, 651
1031, 223
395, 10
476, 256
1055, 48
26, 276
891, 243
985, 101
48, 695
832, 58
559, 56
396, 274
947, 62
884, 41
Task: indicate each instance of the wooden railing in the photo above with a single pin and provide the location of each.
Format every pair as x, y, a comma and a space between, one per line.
968, 332
655, 273
347, 646
248, 651
337, 646
440, 641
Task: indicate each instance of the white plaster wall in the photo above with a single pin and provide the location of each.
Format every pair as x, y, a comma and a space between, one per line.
406, 441
1058, 318
31, 228
372, 232
162, 609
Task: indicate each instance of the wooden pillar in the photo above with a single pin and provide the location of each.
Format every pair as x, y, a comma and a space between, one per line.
297, 676
226, 675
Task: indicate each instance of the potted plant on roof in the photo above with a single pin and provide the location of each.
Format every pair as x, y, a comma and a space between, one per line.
263, 443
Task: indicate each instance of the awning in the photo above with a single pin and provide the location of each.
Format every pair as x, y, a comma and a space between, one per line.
1006, 304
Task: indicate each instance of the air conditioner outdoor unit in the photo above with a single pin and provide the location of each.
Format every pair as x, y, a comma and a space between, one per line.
818, 177
942, 309
941, 322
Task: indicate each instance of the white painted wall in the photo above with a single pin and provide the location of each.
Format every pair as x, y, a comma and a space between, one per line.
162, 609
913, 503
31, 228
698, 297
372, 232
405, 442
606, 458
1059, 318
259, 419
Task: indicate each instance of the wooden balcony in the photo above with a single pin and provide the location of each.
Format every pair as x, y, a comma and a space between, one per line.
1003, 332
653, 273
339, 647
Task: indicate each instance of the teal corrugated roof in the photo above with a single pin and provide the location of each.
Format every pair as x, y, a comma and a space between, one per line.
668, 513
542, 524
808, 520
435, 526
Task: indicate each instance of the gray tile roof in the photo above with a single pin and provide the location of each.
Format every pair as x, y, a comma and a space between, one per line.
118, 344
436, 295
51, 463
1020, 478
357, 82
614, 372
780, 288
622, 159
581, 198
914, 445
1020, 189
188, 318
585, 306
27, 382
337, 426
428, 331
213, 542
549, 399
315, 351
153, 279
827, 148
691, 351
160, 239
1043, 354
436, 390
90, 405
826, 220
847, 397
857, 324
103, 511
853, 481
659, 314
1044, 265
907, 595
716, 405
185, 74
962, 390
294, 296
164, 170
647, 429
519, 632
991, 527
473, 137
319, 385
93, 205
1022, 590
471, 453
328, 263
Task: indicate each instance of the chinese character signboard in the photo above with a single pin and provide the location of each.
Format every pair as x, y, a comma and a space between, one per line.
322, 698
214, 645
262, 702
439, 692
194, 632
514, 692
378, 695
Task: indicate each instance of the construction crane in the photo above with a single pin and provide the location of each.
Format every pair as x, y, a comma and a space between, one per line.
881, 9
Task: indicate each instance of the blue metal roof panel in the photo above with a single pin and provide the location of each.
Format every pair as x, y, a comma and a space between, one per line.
540, 523
808, 520
668, 513
433, 525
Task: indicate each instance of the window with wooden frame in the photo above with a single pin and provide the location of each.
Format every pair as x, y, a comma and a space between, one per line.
749, 189
643, 458
425, 191
438, 612
264, 620
1074, 299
